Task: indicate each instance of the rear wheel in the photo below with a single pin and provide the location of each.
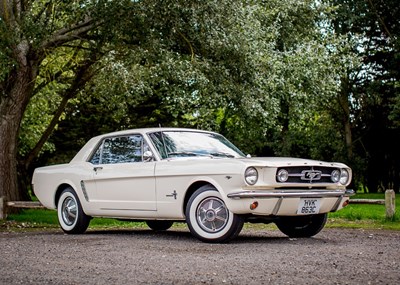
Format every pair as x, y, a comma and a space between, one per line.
302, 226
208, 217
159, 225
70, 214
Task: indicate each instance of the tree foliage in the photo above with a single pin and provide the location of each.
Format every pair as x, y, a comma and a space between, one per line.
372, 88
250, 80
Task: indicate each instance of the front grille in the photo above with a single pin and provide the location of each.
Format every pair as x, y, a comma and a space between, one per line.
308, 174
301, 188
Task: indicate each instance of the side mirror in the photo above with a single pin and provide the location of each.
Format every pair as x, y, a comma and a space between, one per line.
248, 156
148, 156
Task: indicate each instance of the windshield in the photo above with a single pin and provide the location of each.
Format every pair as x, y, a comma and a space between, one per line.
171, 144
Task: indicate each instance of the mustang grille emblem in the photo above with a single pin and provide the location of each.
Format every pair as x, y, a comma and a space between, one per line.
311, 175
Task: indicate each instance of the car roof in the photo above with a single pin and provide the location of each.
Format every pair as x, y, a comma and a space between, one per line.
149, 130
87, 149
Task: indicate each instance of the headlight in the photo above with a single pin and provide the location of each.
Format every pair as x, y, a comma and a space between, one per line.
335, 176
340, 175
282, 175
344, 177
251, 175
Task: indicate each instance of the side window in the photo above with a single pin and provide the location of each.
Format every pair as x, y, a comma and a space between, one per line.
157, 142
96, 157
122, 149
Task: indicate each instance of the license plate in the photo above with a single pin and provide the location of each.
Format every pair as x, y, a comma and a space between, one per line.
308, 206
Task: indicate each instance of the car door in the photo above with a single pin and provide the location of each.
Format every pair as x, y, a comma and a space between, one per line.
124, 179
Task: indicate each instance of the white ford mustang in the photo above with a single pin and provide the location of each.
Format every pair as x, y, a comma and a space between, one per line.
163, 175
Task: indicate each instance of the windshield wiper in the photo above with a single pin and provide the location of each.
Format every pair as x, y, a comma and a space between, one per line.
222, 154
183, 153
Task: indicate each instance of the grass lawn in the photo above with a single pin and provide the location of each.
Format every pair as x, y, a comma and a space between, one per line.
353, 216
366, 216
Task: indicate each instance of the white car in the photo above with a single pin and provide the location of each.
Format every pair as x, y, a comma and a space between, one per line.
166, 175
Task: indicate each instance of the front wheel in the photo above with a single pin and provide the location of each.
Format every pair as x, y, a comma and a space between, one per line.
71, 217
208, 217
302, 226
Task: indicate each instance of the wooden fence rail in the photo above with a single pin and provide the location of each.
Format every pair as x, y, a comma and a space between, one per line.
17, 204
25, 204
367, 201
389, 202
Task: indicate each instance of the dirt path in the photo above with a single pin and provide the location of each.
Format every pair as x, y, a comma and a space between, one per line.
335, 256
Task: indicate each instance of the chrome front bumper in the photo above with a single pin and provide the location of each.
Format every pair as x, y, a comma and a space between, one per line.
285, 195
293, 193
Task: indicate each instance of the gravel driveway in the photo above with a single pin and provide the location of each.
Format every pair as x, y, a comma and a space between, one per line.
335, 256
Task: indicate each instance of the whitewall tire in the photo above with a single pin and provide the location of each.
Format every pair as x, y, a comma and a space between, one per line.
208, 217
70, 214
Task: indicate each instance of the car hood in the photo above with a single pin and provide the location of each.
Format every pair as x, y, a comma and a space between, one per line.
289, 161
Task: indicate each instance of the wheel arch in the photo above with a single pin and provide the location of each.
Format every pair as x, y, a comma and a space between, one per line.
192, 188
59, 190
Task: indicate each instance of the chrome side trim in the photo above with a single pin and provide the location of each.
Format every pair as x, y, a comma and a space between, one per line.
314, 193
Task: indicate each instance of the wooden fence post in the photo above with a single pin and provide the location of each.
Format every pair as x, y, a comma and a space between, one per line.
2, 209
390, 204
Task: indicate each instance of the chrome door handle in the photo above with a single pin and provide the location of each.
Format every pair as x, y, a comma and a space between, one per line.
97, 168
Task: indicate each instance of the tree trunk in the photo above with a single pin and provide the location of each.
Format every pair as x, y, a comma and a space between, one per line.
8, 163
13, 103
344, 103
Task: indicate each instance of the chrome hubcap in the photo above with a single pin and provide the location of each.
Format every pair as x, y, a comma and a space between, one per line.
69, 211
212, 215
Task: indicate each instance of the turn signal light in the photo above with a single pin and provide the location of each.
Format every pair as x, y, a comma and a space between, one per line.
345, 203
253, 205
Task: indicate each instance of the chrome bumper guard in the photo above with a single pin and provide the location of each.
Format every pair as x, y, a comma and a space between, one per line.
315, 193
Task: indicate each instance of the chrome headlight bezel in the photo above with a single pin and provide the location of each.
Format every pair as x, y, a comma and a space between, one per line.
251, 175
282, 175
344, 176
335, 175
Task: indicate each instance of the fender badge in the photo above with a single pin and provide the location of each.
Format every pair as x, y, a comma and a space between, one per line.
173, 194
